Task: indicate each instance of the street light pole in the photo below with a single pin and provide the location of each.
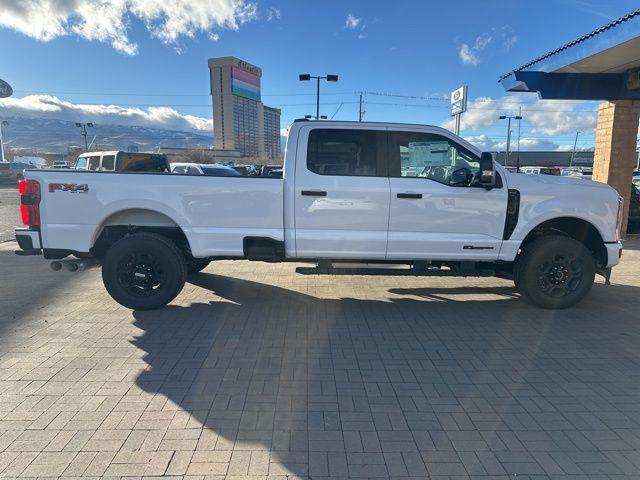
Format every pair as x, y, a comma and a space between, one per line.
573, 152
84, 133
509, 117
318, 99
2, 124
304, 77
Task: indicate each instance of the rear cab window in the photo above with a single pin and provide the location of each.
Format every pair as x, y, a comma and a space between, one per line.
347, 152
93, 163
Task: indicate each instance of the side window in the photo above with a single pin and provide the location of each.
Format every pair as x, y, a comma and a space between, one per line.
180, 170
108, 162
94, 163
347, 152
434, 157
193, 171
81, 164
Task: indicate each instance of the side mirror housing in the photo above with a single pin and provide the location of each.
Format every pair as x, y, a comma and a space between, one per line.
487, 171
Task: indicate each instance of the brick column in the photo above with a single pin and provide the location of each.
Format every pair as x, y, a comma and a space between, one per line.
615, 155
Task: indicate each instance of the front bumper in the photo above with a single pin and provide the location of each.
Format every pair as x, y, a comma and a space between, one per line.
614, 252
28, 241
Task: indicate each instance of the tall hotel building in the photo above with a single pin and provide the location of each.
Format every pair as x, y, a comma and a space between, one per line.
240, 120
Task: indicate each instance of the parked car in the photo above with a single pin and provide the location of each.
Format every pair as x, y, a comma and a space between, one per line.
266, 169
343, 199
636, 179
213, 169
11, 172
117, 161
541, 170
62, 164
246, 170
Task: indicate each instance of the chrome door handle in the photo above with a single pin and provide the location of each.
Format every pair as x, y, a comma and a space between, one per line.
409, 195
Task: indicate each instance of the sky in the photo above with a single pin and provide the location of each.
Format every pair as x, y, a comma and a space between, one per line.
144, 62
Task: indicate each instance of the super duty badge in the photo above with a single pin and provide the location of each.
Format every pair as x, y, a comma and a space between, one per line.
69, 187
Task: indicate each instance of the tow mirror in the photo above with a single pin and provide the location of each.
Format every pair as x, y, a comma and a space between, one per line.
487, 172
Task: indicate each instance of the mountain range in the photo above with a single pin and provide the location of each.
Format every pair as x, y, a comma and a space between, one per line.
58, 136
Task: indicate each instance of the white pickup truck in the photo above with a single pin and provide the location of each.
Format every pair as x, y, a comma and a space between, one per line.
374, 194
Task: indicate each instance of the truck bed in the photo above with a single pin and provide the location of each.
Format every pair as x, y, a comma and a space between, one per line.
215, 213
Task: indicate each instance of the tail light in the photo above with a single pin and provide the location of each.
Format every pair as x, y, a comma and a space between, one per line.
29, 202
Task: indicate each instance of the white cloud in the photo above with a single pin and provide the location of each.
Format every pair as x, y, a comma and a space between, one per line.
471, 54
48, 106
554, 118
106, 21
510, 42
545, 117
284, 132
273, 13
467, 55
352, 22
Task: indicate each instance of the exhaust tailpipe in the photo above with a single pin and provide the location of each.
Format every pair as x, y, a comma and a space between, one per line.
74, 265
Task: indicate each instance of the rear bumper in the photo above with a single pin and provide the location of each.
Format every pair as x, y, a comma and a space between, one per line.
28, 241
614, 252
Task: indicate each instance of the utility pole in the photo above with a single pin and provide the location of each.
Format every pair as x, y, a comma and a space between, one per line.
2, 124
518, 156
304, 77
84, 133
573, 152
509, 117
360, 110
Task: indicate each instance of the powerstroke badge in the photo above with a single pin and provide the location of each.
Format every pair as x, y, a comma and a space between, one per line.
69, 187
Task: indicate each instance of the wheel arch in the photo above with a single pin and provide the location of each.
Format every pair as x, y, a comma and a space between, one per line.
130, 220
577, 228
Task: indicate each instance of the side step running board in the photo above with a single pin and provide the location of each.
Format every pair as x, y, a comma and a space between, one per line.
467, 269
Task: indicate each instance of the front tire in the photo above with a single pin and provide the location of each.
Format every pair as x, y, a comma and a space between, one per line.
555, 272
144, 271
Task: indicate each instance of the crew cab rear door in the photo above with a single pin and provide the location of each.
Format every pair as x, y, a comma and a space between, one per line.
341, 193
437, 209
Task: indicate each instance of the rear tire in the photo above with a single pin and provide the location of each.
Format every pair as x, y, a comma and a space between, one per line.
195, 265
554, 272
144, 271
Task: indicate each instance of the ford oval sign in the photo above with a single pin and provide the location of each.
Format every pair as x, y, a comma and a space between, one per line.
5, 89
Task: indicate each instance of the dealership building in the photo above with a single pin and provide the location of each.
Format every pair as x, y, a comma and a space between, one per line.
241, 122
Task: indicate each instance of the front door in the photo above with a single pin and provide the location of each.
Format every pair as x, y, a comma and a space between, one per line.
341, 193
437, 209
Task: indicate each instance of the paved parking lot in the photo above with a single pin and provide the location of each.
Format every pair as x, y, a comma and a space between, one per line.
257, 371
9, 211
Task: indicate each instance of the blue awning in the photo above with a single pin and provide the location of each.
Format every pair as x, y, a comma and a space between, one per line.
602, 65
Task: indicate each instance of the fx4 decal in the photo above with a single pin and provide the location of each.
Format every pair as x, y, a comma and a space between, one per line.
69, 187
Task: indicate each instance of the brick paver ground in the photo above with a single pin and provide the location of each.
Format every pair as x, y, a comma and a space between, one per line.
256, 371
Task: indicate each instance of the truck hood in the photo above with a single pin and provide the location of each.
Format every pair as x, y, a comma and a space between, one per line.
561, 185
